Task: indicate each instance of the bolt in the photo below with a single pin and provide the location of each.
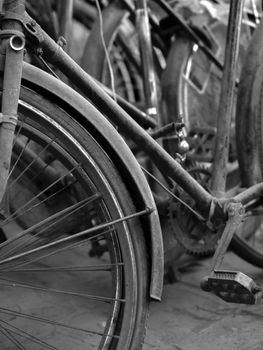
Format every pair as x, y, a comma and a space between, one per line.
241, 211
231, 210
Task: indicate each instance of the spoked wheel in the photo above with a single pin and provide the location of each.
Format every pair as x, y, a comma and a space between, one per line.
69, 273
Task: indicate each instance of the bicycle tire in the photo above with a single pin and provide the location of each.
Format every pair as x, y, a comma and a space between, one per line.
249, 136
81, 290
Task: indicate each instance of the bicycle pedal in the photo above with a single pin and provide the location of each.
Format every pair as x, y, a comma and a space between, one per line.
232, 287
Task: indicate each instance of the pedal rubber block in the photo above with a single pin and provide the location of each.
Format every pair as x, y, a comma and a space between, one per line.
232, 287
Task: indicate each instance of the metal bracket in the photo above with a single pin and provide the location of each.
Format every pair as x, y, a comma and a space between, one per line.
32, 29
9, 119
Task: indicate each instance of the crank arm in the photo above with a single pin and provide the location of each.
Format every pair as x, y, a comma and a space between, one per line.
231, 286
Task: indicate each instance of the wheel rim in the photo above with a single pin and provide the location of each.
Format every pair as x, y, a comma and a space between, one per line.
48, 272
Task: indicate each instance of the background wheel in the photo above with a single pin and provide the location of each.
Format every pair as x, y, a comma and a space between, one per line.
191, 87
248, 244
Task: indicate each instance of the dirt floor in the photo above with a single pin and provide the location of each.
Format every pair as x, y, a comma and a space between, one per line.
190, 319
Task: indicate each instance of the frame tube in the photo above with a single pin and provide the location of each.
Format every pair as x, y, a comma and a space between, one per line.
225, 111
126, 124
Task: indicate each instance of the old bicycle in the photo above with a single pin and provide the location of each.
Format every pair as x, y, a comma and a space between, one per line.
195, 51
79, 226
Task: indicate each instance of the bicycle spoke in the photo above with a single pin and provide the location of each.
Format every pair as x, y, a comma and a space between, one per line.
54, 323
23, 334
50, 245
73, 237
11, 337
30, 157
87, 268
16, 284
18, 159
19, 212
47, 223
66, 248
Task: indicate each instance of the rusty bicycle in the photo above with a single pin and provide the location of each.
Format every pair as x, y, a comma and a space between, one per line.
81, 241
193, 72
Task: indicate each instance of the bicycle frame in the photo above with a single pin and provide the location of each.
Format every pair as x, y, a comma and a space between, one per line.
145, 43
213, 209
12, 51
125, 123
143, 18
55, 55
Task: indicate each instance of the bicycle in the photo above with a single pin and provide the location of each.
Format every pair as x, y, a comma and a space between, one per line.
168, 27
86, 199
194, 50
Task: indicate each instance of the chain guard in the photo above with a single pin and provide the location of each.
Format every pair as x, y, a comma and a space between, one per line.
189, 231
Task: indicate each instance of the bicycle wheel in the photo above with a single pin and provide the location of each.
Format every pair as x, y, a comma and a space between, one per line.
184, 94
249, 140
71, 277
191, 87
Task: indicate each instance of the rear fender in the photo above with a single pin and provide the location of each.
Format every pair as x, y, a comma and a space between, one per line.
118, 150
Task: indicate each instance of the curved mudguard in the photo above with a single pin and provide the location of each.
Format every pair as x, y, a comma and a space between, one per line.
130, 169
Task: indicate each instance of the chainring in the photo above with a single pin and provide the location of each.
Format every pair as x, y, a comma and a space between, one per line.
194, 235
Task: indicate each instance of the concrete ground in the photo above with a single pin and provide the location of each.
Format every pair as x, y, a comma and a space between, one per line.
186, 319
190, 319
